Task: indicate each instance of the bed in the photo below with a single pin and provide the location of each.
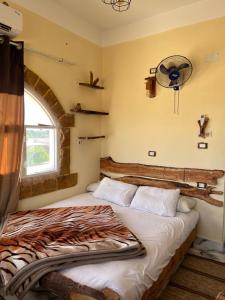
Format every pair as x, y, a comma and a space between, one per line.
167, 239
147, 277
160, 235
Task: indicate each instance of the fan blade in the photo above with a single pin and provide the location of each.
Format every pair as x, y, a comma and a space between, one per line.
173, 82
183, 66
164, 70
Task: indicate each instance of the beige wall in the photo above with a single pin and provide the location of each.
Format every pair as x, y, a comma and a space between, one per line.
49, 38
137, 123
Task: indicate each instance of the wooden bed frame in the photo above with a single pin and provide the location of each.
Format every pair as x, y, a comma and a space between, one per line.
169, 270
156, 176
66, 289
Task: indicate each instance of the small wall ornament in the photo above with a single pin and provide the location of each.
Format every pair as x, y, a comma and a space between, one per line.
202, 125
92, 83
150, 86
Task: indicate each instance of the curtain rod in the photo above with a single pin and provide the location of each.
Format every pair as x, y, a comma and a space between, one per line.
17, 45
52, 57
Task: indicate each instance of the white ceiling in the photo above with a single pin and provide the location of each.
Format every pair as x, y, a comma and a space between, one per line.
99, 23
98, 14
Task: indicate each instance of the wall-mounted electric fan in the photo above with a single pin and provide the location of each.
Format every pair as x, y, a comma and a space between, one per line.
173, 72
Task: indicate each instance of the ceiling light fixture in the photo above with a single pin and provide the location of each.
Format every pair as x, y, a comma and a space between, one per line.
118, 5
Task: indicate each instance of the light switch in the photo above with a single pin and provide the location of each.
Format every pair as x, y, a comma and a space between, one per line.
202, 185
151, 153
202, 145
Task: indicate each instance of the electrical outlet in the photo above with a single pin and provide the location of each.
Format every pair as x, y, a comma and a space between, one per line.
152, 70
151, 153
202, 145
202, 185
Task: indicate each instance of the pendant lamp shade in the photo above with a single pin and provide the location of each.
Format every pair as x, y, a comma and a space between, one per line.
118, 5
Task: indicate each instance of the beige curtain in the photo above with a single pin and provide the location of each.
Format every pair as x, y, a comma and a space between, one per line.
11, 124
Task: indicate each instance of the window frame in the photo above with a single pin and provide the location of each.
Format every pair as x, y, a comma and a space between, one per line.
54, 126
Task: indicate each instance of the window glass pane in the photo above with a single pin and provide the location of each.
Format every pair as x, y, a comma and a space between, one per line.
40, 150
34, 113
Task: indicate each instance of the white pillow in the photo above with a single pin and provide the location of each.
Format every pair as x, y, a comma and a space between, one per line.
115, 191
92, 187
186, 204
159, 201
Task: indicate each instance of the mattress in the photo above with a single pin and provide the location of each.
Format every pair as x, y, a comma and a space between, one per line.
130, 278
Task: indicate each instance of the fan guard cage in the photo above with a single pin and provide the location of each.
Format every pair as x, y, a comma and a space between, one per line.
171, 61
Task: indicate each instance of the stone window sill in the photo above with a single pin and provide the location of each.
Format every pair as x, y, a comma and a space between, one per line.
38, 185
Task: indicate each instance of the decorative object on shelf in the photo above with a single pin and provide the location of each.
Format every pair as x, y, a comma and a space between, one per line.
202, 125
77, 109
93, 83
118, 5
173, 72
150, 86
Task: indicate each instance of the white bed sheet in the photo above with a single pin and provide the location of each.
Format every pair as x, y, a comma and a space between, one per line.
130, 278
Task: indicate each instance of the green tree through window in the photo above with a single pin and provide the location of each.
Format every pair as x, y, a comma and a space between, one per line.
37, 155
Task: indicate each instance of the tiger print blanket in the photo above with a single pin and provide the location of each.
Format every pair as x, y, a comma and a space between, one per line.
35, 242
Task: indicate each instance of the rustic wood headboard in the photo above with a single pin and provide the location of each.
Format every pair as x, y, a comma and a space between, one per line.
167, 177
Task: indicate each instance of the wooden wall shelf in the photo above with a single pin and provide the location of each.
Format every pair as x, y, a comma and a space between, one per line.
91, 86
78, 109
91, 137
92, 112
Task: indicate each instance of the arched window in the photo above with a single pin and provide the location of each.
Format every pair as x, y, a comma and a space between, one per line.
40, 146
